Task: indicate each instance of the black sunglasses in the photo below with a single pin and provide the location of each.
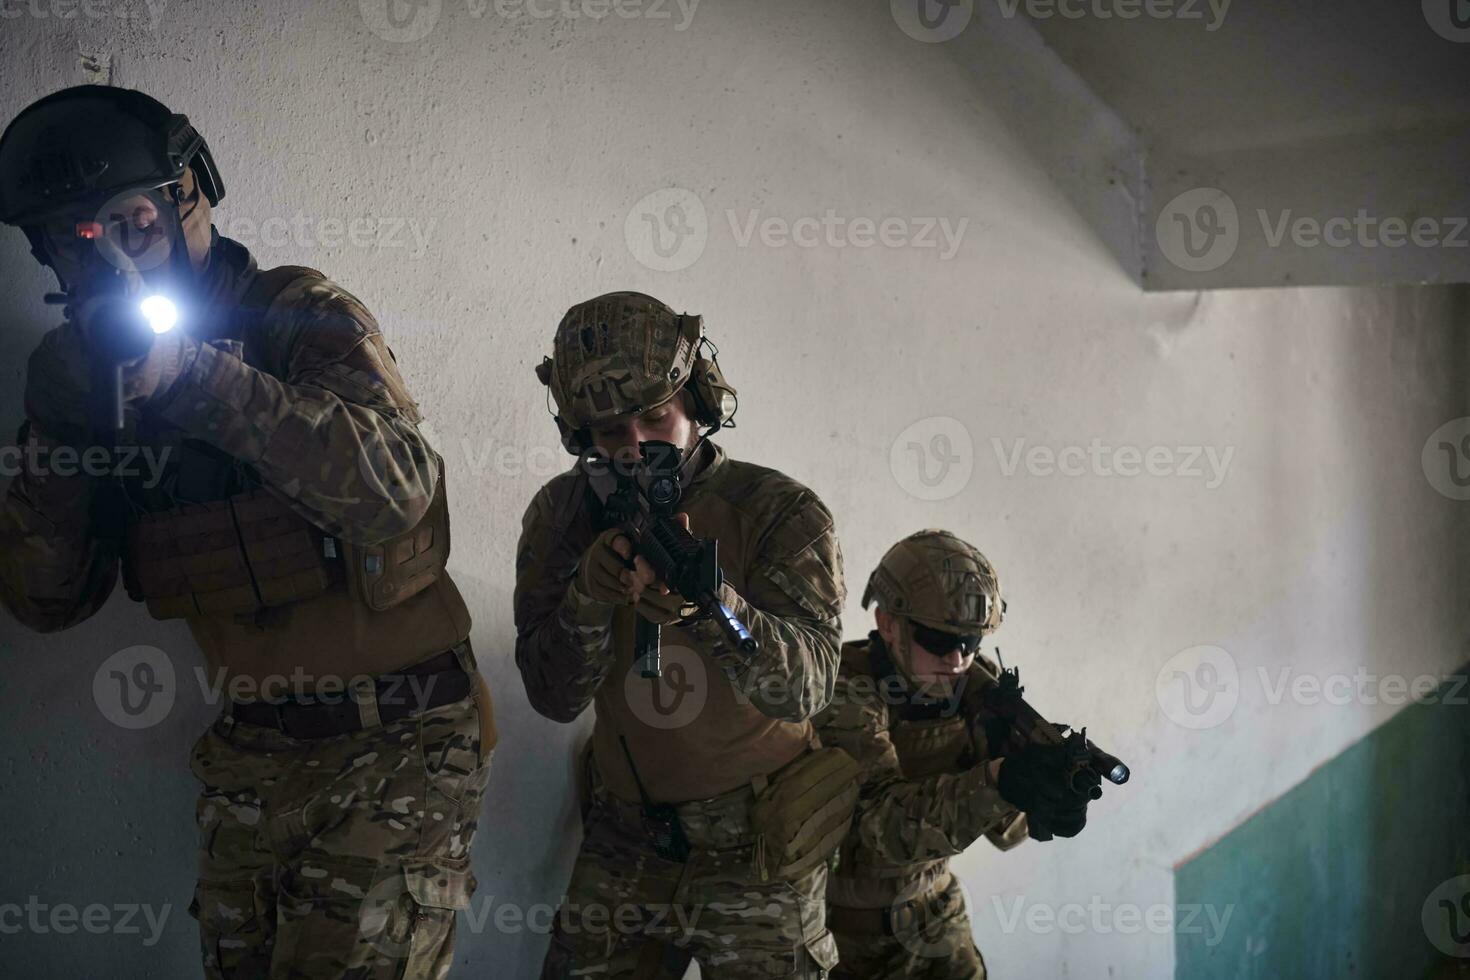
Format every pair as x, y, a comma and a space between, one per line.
940, 642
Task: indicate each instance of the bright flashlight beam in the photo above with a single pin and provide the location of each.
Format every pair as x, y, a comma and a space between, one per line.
160, 313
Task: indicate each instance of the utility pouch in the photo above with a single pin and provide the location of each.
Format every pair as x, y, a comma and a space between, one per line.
663, 829
232, 557
660, 820
802, 813
382, 575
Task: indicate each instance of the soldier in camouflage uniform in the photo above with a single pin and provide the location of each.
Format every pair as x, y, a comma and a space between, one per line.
682, 753
906, 708
299, 527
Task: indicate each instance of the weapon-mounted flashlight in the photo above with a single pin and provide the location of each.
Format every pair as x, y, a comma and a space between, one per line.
121, 330
160, 312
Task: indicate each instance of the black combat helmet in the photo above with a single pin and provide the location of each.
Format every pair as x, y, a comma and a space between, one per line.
78, 148
92, 141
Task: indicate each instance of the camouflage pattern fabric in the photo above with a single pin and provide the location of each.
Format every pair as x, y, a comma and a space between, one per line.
784, 579
342, 857
54, 571
927, 795
305, 398
564, 639
302, 397
619, 353
936, 579
630, 914
783, 569
911, 811
933, 943
325, 395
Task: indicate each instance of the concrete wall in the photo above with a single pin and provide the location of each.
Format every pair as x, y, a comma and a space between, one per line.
1349, 853
523, 151
1285, 144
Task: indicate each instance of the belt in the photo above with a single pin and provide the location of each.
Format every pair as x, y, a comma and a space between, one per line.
886, 921
623, 811
440, 680
630, 816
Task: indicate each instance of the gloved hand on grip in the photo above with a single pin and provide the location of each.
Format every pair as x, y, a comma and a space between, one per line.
1056, 823
609, 572
154, 374
1036, 780
664, 607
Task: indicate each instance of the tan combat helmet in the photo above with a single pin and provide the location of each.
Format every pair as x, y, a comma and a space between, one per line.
938, 581
624, 353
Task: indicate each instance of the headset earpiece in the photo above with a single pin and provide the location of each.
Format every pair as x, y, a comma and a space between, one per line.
714, 399
573, 440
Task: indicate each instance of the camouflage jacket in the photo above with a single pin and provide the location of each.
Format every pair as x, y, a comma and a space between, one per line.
927, 792
301, 404
783, 572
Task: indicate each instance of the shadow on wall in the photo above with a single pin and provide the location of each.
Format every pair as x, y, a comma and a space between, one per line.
1363, 870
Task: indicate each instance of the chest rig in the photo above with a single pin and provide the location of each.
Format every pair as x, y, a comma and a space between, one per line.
203, 537
929, 736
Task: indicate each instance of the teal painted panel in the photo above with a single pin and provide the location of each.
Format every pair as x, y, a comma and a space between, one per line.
1330, 880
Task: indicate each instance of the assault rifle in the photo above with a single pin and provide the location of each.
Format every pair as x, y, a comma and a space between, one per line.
123, 323
1084, 765
643, 505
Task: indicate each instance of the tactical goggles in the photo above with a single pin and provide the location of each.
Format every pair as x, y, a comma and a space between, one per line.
941, 642
137, 227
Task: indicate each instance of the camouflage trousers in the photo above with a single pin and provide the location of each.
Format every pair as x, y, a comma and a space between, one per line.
930, 940
341, 857
631, 915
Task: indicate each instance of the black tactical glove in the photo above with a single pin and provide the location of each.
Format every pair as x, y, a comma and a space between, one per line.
996, 732
1056, 823
1036, 780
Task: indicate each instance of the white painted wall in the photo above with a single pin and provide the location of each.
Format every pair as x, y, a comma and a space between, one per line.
1298, 121
521, 145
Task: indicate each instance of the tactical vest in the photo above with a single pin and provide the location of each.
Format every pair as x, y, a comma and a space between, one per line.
211, 544
250, 553
683, 750
927, 741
